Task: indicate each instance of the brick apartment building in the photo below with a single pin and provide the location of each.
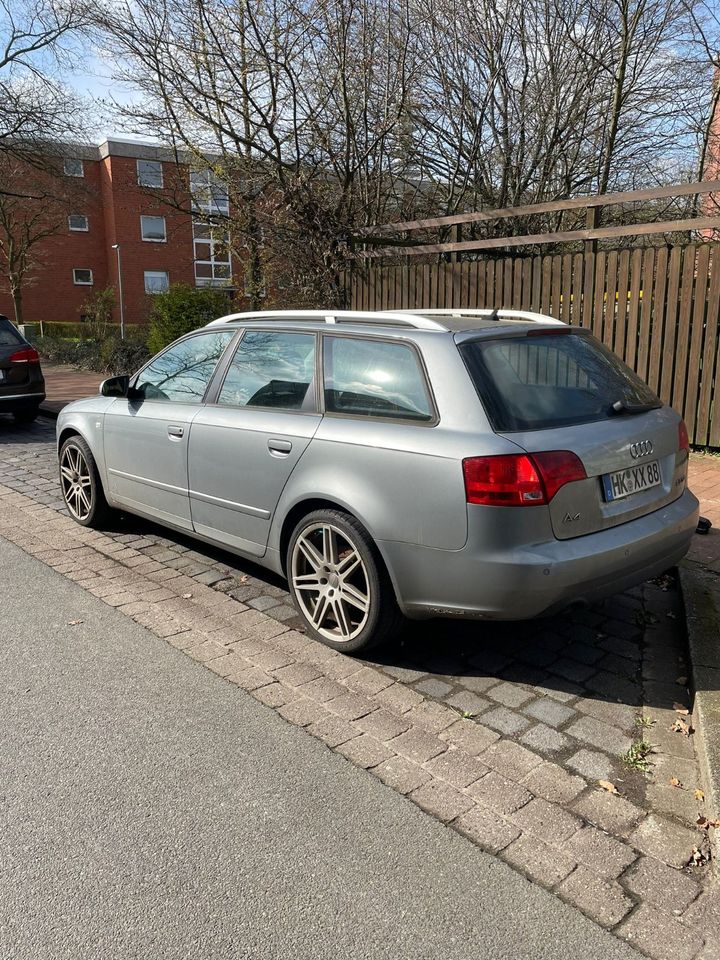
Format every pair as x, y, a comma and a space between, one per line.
127, 202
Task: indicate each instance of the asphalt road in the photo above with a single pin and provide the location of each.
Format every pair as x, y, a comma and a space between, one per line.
149, 810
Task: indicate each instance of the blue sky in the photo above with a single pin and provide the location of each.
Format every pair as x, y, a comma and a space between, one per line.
93, 78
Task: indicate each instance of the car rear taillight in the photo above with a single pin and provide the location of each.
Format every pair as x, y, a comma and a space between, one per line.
26, 355
520, 479
557, 468
683, 440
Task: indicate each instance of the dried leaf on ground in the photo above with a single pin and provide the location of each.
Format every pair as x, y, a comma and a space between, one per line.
698, 858
74, 623
679, 708
705, 823
681, 727
186, 596
699, 795
607, 785
674, 782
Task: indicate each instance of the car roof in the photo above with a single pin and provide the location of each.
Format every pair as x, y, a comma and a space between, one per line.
389, 322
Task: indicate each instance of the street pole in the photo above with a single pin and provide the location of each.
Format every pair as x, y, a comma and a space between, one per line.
116, 247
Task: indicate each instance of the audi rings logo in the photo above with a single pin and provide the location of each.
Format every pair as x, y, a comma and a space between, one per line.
642, 448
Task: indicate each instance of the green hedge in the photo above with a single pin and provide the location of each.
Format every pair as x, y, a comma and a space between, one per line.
83, 331
111, 356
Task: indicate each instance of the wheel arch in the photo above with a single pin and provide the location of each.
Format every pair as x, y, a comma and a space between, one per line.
80, 427
309, 504
66, 433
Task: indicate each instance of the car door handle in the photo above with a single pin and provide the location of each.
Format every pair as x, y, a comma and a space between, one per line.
175, 432
282, 447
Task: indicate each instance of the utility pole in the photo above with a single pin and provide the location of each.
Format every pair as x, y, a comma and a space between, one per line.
116, 248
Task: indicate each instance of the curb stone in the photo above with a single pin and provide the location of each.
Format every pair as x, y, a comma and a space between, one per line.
701, 594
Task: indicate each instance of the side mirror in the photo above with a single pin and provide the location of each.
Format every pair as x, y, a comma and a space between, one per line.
115, 386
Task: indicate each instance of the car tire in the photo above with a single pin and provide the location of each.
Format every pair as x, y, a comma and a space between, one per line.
80, 484
26, 416
339, 582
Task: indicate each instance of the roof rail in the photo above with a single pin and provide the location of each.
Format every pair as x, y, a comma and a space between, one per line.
404, 318
499, 313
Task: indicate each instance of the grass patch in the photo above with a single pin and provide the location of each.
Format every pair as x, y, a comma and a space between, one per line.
637, 756
644, 722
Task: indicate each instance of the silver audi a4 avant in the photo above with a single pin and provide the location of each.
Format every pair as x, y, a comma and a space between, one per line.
469, 463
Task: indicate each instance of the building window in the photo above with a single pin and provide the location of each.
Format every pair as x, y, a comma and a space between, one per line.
77, 222
82, 277
150, 173
209, 194
73, 167
153, 229
156, 281
211, 246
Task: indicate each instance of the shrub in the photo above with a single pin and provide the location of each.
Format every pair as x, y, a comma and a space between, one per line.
124, 356
98, 309
181, 309
111, 356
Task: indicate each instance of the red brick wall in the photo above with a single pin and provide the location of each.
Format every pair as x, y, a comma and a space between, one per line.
49, 292
125, 202
113, 202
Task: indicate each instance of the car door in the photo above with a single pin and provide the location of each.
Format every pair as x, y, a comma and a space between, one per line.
146, 433
248, 438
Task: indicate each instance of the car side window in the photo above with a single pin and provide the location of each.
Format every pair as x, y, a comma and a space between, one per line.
9, 336
375, 378
270, 370
184, 370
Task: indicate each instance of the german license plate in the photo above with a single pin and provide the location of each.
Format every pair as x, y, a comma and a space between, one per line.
623, 483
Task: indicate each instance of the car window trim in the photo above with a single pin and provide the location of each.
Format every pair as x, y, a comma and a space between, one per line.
313, 410
405, 341
189, 336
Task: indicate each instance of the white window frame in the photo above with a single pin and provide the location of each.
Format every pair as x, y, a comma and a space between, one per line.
141, 182
202, 183
200, 243
82, 283
156, 273
73, 160
145, 239
80, 216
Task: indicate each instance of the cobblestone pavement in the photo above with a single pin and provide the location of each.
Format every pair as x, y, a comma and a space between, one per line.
502, 731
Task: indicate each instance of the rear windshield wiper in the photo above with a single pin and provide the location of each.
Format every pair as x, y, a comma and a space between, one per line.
621, 406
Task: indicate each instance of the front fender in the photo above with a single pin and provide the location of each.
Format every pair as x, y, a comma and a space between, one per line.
86, 418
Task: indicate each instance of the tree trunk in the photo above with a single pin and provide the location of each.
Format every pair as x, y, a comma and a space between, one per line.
16, 294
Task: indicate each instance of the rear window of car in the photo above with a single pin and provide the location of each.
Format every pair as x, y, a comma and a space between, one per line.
9, 336
540, 381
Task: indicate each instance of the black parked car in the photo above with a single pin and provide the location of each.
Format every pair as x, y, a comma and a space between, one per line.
22, 387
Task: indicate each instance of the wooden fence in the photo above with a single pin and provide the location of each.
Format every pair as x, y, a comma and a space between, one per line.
656, 307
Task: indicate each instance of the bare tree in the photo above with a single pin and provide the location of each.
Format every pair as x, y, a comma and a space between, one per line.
297, 103
38, 111
325, 115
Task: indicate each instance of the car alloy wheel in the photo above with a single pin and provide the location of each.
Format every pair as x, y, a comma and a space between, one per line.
330, 581
76, 482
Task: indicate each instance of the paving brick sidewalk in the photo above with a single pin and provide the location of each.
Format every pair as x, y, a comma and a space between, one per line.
501, 731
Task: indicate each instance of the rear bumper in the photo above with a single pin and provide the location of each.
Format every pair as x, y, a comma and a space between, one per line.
496, 580
11, 402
